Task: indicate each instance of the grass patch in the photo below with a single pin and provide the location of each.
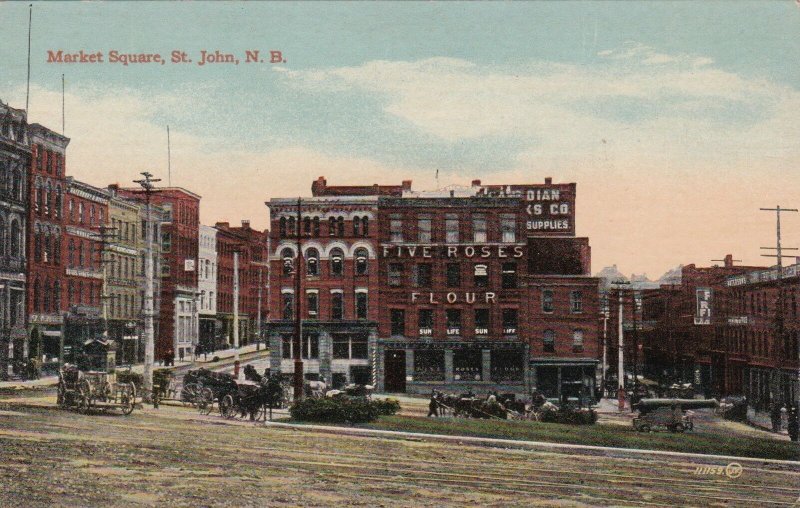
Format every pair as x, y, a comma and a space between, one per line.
596, 435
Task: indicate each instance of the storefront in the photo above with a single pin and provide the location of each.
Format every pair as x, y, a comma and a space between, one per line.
564, 379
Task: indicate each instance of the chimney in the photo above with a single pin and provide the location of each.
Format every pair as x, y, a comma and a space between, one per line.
548, 180
245, 223
222, 225
406, 185
476, 183
728, 260
318, 186
113, 188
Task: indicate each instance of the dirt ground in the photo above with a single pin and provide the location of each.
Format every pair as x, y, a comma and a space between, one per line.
174, 457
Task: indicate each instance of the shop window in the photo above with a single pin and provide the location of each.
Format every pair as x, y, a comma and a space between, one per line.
398, 318
481, 321
341, 347
337, 306
359, 349
549, 341
311, 346
547, 300
467, 365
509, 275
425, 321
395, 274
453, 275
453, 321
507, 365
510, 321
481, 273
286, 347
429, 365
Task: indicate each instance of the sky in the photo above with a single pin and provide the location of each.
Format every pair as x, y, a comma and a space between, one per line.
677, 120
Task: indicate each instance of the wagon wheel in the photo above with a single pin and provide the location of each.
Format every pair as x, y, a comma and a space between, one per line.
679, 427
127, 397
227, 408
189, 394
205, 400
84, 396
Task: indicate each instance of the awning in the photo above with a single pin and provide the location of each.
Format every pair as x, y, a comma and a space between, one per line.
51, 333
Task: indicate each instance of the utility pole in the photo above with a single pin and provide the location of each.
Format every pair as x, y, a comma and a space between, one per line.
621, 347
779, 334
148, 187
298, 323
258, 313
236, 304
606, 315
106, 234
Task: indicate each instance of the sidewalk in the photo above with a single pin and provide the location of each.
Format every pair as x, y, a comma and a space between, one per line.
762, 420
53, 380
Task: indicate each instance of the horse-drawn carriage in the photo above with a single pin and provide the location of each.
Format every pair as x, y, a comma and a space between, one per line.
92, 384
203, 387
671, 414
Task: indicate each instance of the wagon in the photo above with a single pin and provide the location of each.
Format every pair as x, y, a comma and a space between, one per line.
94, 390
203, 387
670, 414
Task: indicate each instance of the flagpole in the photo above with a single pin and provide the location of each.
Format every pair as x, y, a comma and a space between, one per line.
28, 90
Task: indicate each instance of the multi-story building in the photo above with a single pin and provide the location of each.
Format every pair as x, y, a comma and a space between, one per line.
15, 156
482, 288
84, 219
338, 301
124, 274
207, 286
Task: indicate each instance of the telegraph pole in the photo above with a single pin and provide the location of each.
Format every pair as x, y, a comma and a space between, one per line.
606, 315
148, 187
298, 323
106, 234
621, 347
779, 335
236, 304
258, 313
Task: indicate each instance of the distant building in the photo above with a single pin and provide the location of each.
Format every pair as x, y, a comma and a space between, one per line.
207, 286
15, 162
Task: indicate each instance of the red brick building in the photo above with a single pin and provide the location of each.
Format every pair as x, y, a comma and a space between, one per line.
177, 313
45, 232
438, 289
251, 245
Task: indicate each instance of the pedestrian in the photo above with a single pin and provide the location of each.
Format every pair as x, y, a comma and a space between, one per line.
794, 423
433, 406
236, 366
198, 351
775, 417
181, 353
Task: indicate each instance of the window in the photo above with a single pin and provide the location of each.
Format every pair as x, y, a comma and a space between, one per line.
396, 230
424, 229
509, 275
481, 321
467, 364
288, 349
311, 346
332, 226
507, 365
508, 228
290, 226
359, 347
337, 262
423, 275
510, 321
312, 262
547, 300
288, 261
312, 298
576, 302
453, 321
425, 321
362, 261
398, 318
395, 274
361, 305
481, 275
479, 228
341, 347
340, 226
429, 365
80, 212
337, 306
451, 228
356, 226
365, 226
288, 306
453, 275
549, 341
282, 227
577, 341
307, 226
166, 242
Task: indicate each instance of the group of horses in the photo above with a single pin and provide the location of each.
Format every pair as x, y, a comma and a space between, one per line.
468, 405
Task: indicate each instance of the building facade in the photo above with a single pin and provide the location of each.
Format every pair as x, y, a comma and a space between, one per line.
207, 286
15, 157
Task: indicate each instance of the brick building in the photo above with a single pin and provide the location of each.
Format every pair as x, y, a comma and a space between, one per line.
15, 157
207, 285
480, 287
339, 281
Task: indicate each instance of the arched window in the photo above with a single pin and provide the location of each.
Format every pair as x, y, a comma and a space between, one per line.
362, 261
356, 226
47, 197
16, 186
340, 226
46, 307
282, 227
37, 245
288, 261
3, 238
307, 226
57, 249
71, 253
91, 215
332, 226
59, 199
312, 261
48, 247
38, 197
337, 262
290, 226
16, 239
315, 227
365, 226
36, 294
57, 296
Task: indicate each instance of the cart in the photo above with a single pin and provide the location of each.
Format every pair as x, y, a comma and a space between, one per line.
94, 390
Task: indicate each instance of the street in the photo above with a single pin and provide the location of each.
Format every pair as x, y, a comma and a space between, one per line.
175, 456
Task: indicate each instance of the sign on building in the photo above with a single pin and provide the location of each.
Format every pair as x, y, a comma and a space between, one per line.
703, 312
188, 265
